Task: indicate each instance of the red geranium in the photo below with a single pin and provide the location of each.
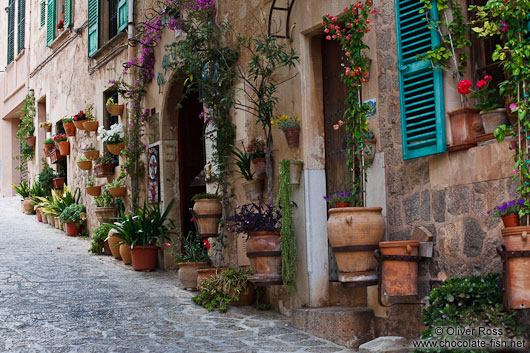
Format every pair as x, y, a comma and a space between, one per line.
80, 116
206, 243
60, 138
464, 87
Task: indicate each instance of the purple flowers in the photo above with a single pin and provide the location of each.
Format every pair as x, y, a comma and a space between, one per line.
254, 217
342, 196
510, 207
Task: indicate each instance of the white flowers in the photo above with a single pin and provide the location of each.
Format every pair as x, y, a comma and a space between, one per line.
116, 134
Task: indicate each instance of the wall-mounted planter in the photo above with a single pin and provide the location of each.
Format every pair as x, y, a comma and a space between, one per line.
105, 214
399, 278
92, 155
47, 149
93, 190
84, 165
207, 213
493, 118
103, 170
55, 155
253, 189
47, 128
115, 148
64, 148
58, 183
116, 109
118, 192
69, 129
31, 141
260, 167
292, 135
264, 253
466, 125
295, 170
80, 124
91, 125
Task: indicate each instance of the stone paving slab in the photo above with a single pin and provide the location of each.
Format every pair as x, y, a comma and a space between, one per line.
56, 297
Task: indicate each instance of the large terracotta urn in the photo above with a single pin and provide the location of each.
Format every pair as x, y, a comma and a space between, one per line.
105, 214
354, 233
264, 253
144, 258
188, 274
114, 244
207, 213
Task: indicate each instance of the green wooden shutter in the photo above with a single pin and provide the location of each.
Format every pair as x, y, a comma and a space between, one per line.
93, 26
123, 14
21, 29
67, 13
421, 86
42, 14
50, 26
11, 32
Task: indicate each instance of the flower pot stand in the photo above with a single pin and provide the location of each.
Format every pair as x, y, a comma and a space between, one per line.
206, 216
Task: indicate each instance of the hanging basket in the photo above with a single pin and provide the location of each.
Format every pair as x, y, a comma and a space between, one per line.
84, 165
31, 141
93, 190
104, 170
115, 148
292, 135
118, 192
116, 109
92, 155
80, 124
91, 125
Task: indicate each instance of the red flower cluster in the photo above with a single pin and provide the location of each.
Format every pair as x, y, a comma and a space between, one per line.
206, 243
60, 138
464, 87
80, 116
60, 24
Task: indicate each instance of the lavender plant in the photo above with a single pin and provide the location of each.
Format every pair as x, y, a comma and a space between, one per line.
254, 217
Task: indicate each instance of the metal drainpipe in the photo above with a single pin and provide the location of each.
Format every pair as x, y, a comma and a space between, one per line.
130, 53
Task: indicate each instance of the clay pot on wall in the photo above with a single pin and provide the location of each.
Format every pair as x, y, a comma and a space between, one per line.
47, 149
93, 190
399, 278
207, 213
91, 125
466, 125
91, 155
69, 129
115, 148
292, 135
125, 253
260, 167
493, 118
103, 170
84, 165
80, 124
114, 244
31, 141
264, 253
144, 258
116, 109
64, 148
510, 220
105, 214
253, 189
73, 229
295, 170
188, 274
47, 128
118, 192
58, 183
354, 233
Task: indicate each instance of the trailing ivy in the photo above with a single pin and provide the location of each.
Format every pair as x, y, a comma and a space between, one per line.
26, 128
288, 239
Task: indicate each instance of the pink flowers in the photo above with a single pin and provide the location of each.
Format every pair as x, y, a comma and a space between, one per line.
513, 106
337, 126
464, 87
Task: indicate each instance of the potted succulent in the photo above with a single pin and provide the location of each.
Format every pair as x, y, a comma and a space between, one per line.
63, 143
290, 125
195, 256
69, 126
104, 166
113, 108
90, 124
508, 212
144, 231
116, 187
73, 216
253, 187
207, 212
79, 120
340, 199
262, 223
113, 138
99, 243
84, 163
46, 126
92, 189
91, 153
105, 208
48, 145
256, 152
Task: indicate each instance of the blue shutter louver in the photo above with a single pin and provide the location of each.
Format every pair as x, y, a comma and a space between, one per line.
11, 32
50, 26
21, 26
93, 26
123, 14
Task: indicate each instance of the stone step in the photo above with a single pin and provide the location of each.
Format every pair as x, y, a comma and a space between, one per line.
387, 344
346, 326
339, 295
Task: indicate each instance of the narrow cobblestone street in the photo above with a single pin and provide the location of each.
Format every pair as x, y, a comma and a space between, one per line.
56, 297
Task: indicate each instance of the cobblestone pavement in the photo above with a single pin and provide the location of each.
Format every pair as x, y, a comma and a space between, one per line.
56, 297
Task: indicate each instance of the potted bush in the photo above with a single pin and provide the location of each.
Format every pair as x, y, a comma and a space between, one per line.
207, 212
63, 143
195, 256
79, 120
253, 187
48, 145
113, 108
46, 126
90, 124
340, 199
290, 125
262, 223
84, 163
91, 188
105, 208
46, 176
113, 138
91, 153
104, 166
99, 243
508, 212
73, 216
69, 126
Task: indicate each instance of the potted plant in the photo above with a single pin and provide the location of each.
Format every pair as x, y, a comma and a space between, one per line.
69, 126
79, 120
295, 170
99, 243
46, 176
60, 24
253, 187
113, 108
116, 187
340, 199
104, 166
91, 153
23, 191
73, 216
194, 256
262, 223
105, 208
113, 138
48, 145
84, 163
290, 125
90, 124
256, 151
63, 143
46, 126
207, 212
508, 212
92, 189
31, 140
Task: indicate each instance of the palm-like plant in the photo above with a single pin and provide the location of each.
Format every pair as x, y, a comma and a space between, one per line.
243, 162
36, 191
22, 189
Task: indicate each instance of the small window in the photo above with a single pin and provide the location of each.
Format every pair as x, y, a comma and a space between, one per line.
113, 18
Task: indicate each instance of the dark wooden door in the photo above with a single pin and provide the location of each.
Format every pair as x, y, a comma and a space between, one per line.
335, 140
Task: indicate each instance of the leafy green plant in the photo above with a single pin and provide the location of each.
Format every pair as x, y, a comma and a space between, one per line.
219, 291
243, 162
22, 189
46, 177
81, 158
205, 196
89, 148
100, 234
26, 128
37, 190
66, 199
194, 249
110, 101
49, 141
106, 158
105, 199
116, 183
68, 120
73, 213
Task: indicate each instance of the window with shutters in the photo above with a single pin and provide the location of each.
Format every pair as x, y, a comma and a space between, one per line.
421, 86
21, 25
59, 18
11, 32
106, 19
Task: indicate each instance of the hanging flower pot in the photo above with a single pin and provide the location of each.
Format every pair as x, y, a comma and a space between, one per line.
47, 127
188, 274
399, 278
69, 129
292, 135
31, 141
91, 154
84, 165
264, 253
510, 220
120, 191
91, 125
102, 170
144, 258
207, 213
114, 244
295, 170
125, 253
115, 109
115, 148
55, 155
47, 148
58, 183
80, 124
93, 190
466, 125
260, 167
73, 229
64, 148
253, 189
493, 118
105, 214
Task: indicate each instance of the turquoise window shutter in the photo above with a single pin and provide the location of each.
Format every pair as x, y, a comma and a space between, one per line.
67, 13
93, 26
421, 86
50, 26
42, 13
21, 27
123, 14
11, 31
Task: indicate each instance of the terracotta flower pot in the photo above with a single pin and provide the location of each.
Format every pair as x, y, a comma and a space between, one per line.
106, 248
118, 192
39, 215
58, 183
31, 141
260, 167
28, 206
91, 125
466, 125
91, 155
105, 214
295, 170
208, 212
47, 128
125, 253
114, 244
115, 148
69, 129
72, 229
246, 297
56, 222
264, 253
93, 190
103, 170
51, 220
400, 278
55, 155
47, 149
510, 220
292, 135
80, 124
144, 258
493, 118
253, 189
517, 276
116, 109
359, 227
204, 274
44, 218
188, 274
64, 148
84, 165
341, 204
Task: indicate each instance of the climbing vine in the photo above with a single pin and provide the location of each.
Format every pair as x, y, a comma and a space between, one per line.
26, 128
